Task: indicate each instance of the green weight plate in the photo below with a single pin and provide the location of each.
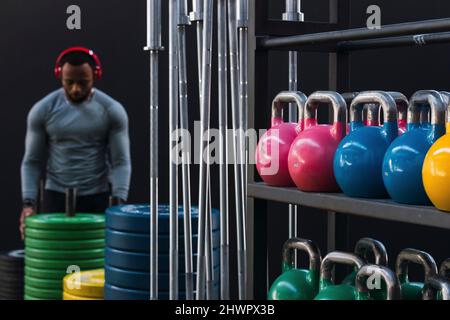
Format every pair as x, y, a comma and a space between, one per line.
28, 297
63, 264
45, 273
65, 244
59, 221
65, 254
48, 294
43, 283
64, 234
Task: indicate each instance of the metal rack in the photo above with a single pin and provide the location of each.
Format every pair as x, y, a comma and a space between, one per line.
339, 41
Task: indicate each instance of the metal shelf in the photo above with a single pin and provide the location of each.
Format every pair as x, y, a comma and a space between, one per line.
336, 202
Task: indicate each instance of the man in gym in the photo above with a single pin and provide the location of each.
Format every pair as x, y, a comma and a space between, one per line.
78, 136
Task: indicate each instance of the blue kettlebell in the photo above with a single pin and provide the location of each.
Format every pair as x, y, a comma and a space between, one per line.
359, 157
403, 161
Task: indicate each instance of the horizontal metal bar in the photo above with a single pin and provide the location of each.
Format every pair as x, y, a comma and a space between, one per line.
324, 47
408, 28
393, 42
377, 209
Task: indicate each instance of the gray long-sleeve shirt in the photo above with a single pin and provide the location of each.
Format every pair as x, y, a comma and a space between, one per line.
86, 146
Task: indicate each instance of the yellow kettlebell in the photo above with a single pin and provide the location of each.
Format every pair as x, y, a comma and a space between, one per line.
436, 167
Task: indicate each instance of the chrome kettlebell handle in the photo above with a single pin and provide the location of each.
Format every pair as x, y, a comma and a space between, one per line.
335, 99
435, 284
338, 257
308, 246
283, 99
365, 245
422, 258
444, 271
382, 98
402, 104
393, 291
437, 106
446, 96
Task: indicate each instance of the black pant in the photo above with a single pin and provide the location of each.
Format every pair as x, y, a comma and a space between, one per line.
55, 202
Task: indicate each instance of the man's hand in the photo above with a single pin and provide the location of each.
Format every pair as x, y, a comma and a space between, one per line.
26, 212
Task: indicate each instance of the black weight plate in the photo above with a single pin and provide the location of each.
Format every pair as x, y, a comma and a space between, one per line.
141, 280
11, 286
10, 278
141, 261
136, 218
137, 242
118, 293
11, 260
11, 272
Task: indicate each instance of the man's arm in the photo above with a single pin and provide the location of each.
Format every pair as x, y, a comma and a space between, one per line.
119, 145
35, 152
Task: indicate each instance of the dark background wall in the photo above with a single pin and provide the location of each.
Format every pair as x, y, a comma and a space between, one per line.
32, 33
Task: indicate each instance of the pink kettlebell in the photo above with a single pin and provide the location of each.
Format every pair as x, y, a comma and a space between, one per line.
312, 152
273, 147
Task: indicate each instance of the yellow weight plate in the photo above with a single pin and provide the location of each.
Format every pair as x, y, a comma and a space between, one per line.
91, 284
68, 296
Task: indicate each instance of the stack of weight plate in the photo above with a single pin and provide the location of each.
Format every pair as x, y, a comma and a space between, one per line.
56, 245
86, 285
127, 260
11, 275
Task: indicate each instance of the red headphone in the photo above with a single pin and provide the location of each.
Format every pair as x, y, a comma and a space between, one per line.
98, 66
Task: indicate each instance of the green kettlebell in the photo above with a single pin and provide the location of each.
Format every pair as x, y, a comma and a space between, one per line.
297, 284
368, 283
330, 291
436, 288
413, 290
362, 249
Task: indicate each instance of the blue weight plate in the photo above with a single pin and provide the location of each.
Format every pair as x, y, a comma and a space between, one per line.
141, 280
136, 218
118, 293
137, 242
141, 261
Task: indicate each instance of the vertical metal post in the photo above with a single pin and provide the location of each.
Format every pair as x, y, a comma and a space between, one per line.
197, 16
173, 123
205, 118
183, 21
242, 24
223, 155
71, 202
293, 13
153, 46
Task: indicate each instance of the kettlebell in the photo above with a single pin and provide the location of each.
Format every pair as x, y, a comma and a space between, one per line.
436, 288
348, 97
363, 247
311, 155
273, 147
370, 272
444, 270
436, 168
297, 284
359, 156
403, 161
413, 290
327, 289
373, 112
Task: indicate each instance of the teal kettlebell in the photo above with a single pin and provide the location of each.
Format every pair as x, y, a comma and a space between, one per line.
328, 290
369, 282
436, 288
297, 284
413, 290
363, 247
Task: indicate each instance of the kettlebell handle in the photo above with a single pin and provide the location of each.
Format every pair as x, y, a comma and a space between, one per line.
446, 97
283, 99
422, 258
382, 98
365, 245
335, 99
444, 271
308, 246
436, 284
402, 104
432, 98
393, 291
338, 257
